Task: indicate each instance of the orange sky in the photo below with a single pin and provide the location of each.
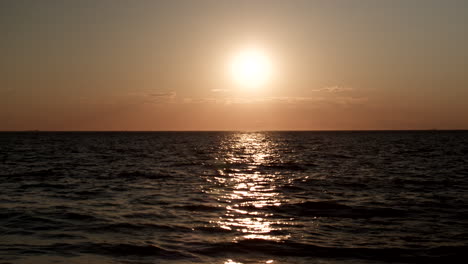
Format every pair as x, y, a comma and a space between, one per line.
163, 65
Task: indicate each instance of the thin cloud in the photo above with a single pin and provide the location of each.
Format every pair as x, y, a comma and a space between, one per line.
335, 89
246, 100
310, 101
201, 100
294, 100
165, 97
220, 90
351, 100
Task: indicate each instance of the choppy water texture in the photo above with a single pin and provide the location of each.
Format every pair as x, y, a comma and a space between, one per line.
222, 197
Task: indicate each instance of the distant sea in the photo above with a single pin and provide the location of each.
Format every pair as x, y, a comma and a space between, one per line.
234, 197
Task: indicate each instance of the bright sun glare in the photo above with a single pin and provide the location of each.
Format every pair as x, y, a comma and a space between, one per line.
251, 68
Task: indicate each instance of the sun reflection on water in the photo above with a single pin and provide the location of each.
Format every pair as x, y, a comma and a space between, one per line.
230, 261
247, 188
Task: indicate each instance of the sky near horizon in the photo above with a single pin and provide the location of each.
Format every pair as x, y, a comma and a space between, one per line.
164, 65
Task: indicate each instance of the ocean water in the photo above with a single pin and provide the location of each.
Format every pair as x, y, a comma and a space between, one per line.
234, 197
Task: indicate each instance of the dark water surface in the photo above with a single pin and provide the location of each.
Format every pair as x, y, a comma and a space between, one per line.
233, 197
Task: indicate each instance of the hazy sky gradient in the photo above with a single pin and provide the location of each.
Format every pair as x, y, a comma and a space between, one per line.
162, 65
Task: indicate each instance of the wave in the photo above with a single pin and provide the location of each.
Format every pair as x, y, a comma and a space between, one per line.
200, 208
125, 227
289, 166
285, 249
333, 209
109, 249
44, 185
32, 173
62, 172
61, 236
141, 174
327, 209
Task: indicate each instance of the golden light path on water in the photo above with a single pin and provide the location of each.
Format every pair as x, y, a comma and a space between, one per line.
230, 261
245, 188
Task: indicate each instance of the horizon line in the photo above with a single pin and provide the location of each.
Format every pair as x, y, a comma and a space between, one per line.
220, 130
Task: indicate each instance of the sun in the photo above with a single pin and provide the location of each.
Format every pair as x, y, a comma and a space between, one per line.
251, 68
